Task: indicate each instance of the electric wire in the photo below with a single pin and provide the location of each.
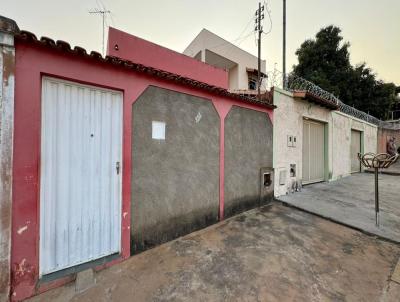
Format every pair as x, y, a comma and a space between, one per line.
269, 17
239, 37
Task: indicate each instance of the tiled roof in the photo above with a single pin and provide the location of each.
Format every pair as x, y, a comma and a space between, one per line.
305, 95
65, 47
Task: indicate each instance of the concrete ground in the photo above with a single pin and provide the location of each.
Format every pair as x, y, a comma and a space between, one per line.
351, 201
274, 253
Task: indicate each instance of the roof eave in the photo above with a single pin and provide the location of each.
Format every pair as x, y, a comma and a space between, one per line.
65, 47
312, 98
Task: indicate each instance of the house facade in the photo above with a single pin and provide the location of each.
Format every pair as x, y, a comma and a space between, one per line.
113, 155
242, 67
315, 142
105, 157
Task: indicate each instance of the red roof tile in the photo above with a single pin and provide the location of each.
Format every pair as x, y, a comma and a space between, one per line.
65, 47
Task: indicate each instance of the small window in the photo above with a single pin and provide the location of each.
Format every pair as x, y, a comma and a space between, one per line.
252, 84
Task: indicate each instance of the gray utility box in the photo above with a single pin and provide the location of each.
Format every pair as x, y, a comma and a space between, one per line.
267, 185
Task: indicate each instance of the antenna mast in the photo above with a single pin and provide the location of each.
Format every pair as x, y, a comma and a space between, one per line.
103, 13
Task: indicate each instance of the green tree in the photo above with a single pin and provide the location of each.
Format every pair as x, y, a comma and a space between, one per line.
325, 61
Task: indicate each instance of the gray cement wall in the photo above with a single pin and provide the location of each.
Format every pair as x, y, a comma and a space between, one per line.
175, 182
248, 148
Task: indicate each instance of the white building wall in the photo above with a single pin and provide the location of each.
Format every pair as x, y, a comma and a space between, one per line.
341, 132
288, 120
233, 75
208, 40
341, 160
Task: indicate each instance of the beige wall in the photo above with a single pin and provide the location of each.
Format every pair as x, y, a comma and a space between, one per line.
208, 40
233, 75
288, 120
341, 141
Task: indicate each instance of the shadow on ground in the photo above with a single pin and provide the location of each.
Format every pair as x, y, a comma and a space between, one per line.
273, 253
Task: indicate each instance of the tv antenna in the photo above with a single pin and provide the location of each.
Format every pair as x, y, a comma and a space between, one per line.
103, 12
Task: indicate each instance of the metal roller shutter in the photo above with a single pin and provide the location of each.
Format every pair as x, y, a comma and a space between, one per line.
313, 151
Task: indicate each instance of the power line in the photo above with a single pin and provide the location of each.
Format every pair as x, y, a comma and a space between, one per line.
240, 37
269, 17
284, 45
247, 26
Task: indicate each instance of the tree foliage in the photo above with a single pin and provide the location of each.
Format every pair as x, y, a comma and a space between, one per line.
325, 61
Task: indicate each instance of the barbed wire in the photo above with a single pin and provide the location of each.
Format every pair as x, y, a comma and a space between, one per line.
292, 82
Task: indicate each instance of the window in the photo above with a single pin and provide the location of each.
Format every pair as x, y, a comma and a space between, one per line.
252, 83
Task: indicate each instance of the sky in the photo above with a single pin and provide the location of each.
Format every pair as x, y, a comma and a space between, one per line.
371, 27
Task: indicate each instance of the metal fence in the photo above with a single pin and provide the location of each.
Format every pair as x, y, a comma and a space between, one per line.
291, 82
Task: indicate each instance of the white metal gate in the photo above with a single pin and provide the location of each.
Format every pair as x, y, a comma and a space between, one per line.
355, 149
313, 151
80, 184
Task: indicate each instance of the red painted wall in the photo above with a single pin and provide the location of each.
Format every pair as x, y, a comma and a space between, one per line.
32, 62
140, 51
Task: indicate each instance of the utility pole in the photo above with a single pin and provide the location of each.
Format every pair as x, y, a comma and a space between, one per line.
259, 28
284, 45
103, 14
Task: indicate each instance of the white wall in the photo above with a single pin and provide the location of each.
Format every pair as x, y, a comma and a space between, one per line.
341, 146
208, 40
288, 120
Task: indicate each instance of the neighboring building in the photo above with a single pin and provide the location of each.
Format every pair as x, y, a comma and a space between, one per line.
314, 142
113, 155
242, 66
385, 134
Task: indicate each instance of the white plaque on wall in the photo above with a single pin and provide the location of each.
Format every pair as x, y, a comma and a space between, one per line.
158, 130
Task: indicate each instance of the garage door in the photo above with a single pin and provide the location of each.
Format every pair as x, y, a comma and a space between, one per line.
80, 184
355, 149
313, 152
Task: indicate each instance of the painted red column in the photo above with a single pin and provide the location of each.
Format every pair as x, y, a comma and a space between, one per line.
222, 107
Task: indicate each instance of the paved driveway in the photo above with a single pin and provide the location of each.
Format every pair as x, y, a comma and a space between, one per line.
351, 200
274, 253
